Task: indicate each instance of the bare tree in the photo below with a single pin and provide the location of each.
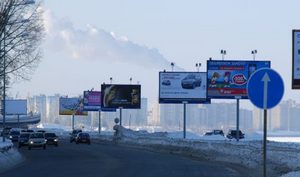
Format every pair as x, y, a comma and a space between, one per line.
21, 33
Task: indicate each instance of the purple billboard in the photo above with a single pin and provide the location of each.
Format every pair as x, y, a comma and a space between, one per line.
92, 100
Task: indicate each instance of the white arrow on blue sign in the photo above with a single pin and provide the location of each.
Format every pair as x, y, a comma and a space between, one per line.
265, 88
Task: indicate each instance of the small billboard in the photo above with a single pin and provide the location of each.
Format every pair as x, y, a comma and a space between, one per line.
71, 106
16, 107
228, 79
92, 100
179, 87
296, 60
121, 96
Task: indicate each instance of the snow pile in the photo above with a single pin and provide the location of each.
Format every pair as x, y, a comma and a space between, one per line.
9, 157
281, 157
292, 174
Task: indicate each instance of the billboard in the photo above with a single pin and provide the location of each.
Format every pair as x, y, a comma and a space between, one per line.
178, 87
91, 100
296, 60
17, 107
228, 79
117, 96
70, 106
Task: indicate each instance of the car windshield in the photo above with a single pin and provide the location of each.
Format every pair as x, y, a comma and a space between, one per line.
37, 135
190, 77
85, 135
76, 131
26, 135
15, 133
50, 135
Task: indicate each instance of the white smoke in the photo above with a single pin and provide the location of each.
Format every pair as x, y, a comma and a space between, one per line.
95, 43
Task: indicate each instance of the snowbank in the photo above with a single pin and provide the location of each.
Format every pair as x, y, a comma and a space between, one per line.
281, 157
9, 157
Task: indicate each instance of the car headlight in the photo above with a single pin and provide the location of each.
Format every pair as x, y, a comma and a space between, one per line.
31, 142
55, 140
10, 136
45, 140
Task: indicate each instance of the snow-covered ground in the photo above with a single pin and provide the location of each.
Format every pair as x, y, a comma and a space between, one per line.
9, 156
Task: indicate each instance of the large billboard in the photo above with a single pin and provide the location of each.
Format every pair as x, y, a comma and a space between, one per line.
296, 60
16, 107
179, 87
228, 79
71, 106
92, 100
121, 96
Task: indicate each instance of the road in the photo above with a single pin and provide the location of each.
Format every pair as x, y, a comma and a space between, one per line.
106, 160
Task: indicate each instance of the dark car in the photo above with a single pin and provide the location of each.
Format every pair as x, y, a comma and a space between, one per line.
41, 131
74, 134
166, 82
191, 81
83, 138
51, 138
23, 139
14, 135
5, 131
27, 130
233, 134
215, 132
37, 140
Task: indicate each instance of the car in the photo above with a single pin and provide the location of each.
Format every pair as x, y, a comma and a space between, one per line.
74, 134
41, 131
14, 135
166, 82
191, 81
233, 134
23, 139
5, 131
37, 140
214, 132
83, 138
27, 130
51, 139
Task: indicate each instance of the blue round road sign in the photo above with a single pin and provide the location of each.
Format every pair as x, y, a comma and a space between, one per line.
265, 88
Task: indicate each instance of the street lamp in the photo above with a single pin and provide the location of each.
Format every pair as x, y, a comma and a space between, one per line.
172, 65
223, 52
130, 79
111, 79
198, 65
254, 52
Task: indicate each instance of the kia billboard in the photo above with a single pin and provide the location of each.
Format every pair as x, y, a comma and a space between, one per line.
179, 87
71, 106
228, 79
121, 96
92, 100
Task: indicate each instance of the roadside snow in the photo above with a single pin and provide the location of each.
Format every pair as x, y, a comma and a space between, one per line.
9, 157
292, 174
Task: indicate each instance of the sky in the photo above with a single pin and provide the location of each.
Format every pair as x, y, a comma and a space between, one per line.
87, 42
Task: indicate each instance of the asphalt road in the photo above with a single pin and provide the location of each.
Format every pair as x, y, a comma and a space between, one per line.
105, 160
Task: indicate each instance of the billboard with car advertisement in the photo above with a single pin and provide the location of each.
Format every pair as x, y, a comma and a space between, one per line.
228, 79
121, 96
70, 106
179, 87
92, 100
296, 60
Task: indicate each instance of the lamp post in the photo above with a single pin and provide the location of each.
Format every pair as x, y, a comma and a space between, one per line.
111, 79
254, 52
223, 52
198, 65
172, 66
130, 79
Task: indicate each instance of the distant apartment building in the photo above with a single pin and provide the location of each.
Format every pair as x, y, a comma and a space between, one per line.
38, 104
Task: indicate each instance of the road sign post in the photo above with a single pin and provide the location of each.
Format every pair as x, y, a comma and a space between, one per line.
265, 90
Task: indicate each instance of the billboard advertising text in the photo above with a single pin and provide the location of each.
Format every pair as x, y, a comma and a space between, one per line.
70, 106
92, 100
121, 96
179, 87
296, 60
228, 79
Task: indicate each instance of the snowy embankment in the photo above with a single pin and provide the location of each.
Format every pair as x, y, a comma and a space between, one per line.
9, 156
281, 157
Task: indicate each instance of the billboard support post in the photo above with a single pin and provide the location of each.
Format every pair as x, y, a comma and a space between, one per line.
184, 119
99, 125
121, 115
73, 117
237, 118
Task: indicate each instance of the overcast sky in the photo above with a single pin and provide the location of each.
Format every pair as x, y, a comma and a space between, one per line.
90, 41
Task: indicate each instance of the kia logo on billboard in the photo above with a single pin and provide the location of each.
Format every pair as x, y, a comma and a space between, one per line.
239, 79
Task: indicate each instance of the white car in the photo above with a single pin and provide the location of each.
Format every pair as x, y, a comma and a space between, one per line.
37, 140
